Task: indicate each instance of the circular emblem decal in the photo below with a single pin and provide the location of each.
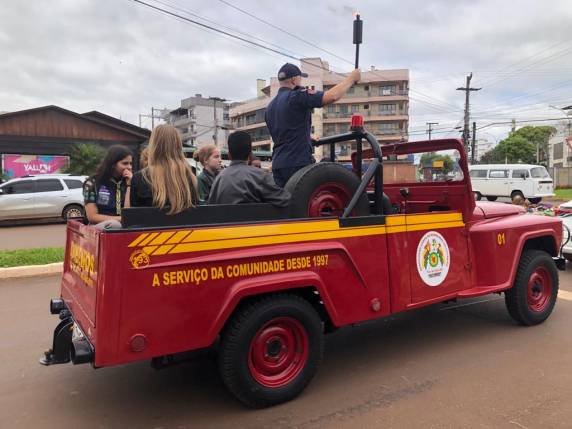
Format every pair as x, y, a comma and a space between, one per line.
139, 259
433, 259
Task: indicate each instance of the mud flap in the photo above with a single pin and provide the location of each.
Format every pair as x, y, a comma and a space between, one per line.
62, 344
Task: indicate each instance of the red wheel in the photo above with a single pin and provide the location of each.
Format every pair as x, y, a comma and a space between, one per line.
325, 189
271, 349
278, 352
532, 297
328, 199
539, 289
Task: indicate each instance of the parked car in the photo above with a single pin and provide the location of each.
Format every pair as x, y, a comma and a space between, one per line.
564, 208
42, 196
509, 180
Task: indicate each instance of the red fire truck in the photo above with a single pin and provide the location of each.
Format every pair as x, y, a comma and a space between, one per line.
262, 286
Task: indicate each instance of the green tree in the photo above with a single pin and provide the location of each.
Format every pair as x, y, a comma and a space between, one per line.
84, 159
514, 149
538, 137
428, 158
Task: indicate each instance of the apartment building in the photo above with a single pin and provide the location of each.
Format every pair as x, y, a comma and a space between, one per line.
201, 121
560, 145
381, 97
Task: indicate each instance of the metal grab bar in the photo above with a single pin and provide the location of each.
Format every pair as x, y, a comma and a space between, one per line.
375, 167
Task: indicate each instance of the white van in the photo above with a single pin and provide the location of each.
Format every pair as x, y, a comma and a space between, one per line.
509, 180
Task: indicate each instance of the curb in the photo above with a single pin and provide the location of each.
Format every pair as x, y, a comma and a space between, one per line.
31, 270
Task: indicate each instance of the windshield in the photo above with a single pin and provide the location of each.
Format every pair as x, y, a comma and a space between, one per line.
539, 172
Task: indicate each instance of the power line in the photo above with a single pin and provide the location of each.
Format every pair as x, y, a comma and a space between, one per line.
200, 24
284, 31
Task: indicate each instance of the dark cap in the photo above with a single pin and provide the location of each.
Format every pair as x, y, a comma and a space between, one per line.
288, 71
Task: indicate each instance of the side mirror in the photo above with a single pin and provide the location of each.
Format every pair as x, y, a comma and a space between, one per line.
523, 176
1, 191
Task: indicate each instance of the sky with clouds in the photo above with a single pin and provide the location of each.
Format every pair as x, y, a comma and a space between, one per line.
122, 58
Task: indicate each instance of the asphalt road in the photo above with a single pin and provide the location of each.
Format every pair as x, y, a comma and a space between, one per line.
454, 366
32, 236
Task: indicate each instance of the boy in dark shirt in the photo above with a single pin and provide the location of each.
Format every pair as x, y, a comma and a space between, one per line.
242, 183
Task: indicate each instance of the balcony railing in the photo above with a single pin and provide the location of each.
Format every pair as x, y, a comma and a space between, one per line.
333, 115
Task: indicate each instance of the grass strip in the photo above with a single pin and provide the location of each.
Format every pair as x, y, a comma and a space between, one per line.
565, 194
21, 257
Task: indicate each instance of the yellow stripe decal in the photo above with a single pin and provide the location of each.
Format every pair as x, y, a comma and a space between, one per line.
149, 238
178, 237
283, 239
138, 239
292, 232
164, 236
162, 250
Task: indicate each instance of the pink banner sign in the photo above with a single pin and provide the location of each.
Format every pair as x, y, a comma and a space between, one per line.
23, 165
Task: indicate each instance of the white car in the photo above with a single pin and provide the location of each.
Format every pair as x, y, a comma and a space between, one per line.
42, 196
567, 241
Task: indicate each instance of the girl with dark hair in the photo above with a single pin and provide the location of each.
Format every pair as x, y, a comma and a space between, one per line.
106, 192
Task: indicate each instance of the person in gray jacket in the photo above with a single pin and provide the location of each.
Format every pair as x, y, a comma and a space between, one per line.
241, 183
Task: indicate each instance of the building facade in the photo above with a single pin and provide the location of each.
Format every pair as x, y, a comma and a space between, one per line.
201, 121
560, 145
381, 97
40, 135
482, 146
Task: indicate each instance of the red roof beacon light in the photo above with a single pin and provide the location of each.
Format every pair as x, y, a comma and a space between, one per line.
357, 123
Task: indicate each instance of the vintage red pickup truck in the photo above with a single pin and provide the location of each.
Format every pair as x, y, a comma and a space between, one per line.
262, 286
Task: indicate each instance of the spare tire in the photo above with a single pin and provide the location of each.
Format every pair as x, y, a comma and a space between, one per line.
325, 189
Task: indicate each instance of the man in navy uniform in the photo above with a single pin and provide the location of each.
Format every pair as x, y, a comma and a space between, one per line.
289, 119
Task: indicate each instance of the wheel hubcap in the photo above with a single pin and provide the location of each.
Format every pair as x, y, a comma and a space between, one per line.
329, 199
74, 213
539, 290
278, 352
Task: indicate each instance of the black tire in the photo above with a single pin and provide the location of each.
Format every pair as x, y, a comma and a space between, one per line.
535, 200
492, 198
515, 194
73, 211
478, 196
536, 272
239, 354
324, 189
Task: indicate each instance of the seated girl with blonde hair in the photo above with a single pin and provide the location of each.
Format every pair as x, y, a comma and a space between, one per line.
209, 157
168, 181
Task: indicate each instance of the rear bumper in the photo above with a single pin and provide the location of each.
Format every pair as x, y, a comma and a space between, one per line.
68, 343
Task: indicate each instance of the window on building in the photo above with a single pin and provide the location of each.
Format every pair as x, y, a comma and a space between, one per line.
387, 90
498, 174
355, 108
366, 107
331, 108
352, 90
344, 108
73, 184
49, 185
387, 108
366, 87
558, 151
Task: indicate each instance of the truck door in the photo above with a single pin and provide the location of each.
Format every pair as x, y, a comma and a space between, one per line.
438, 250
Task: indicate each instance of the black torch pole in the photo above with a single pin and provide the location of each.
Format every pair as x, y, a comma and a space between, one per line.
358, 30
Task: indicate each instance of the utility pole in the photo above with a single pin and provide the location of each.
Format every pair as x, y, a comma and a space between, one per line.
474, 143
467, 88
430, 127
513, 125
215, 135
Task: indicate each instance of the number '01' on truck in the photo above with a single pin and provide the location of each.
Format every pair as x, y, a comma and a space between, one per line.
264, 285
